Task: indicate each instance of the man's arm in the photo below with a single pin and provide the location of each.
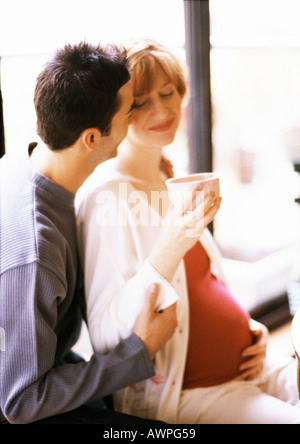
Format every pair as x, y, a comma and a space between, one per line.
31, 387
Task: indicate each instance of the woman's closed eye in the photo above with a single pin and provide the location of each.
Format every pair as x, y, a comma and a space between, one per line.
166, 95
140, 105
143, 103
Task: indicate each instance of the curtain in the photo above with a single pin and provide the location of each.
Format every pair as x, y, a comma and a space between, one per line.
2, 142
2, 138
197, 29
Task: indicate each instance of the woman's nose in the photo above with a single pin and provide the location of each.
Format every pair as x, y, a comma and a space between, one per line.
160, 108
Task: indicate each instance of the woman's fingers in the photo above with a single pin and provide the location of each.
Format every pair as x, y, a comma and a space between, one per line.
212, 211
189, 201
198, 206
250, 368
203, 214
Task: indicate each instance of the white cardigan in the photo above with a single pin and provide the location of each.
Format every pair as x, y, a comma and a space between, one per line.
115, 238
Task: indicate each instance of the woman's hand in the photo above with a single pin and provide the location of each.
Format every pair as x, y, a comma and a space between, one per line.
256, 354
183, 226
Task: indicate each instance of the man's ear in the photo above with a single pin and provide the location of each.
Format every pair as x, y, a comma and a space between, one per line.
90, 138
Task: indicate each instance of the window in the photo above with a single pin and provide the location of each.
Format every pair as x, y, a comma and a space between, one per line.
255, 78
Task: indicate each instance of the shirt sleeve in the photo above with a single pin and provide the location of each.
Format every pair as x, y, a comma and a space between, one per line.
116, 279
31, 386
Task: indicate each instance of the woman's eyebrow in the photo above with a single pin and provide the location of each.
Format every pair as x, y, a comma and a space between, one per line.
169, 82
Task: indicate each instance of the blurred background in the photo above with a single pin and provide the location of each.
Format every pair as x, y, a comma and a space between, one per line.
243, 67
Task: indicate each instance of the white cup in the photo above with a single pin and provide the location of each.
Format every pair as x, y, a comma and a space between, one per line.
179, 188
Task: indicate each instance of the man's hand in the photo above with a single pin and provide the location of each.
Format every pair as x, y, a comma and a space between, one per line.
155, 329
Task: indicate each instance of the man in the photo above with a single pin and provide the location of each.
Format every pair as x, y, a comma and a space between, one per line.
83, 101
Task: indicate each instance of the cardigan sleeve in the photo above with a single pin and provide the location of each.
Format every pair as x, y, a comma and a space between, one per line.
116, 281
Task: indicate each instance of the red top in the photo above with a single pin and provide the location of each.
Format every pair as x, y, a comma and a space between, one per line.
219, 327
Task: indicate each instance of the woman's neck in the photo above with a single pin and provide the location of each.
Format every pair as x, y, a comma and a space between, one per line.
140, 162
142, 166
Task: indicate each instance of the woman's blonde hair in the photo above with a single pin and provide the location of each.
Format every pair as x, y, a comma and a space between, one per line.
144, 57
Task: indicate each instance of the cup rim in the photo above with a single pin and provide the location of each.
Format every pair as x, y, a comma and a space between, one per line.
176, 180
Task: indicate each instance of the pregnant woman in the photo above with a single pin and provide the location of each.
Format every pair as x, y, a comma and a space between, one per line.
214, 369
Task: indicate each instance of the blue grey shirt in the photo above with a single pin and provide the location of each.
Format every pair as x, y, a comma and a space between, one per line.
39, 305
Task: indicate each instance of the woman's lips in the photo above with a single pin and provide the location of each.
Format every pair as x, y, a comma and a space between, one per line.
163, 126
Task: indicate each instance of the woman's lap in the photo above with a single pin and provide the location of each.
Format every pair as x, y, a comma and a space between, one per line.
272, 399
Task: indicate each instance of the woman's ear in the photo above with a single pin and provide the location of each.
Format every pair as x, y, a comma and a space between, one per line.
90, 138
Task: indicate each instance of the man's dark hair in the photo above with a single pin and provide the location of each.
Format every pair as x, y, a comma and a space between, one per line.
77, 90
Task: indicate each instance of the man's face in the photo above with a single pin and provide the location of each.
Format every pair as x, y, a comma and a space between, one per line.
119, 123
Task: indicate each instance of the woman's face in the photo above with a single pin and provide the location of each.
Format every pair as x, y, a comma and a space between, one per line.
156, 115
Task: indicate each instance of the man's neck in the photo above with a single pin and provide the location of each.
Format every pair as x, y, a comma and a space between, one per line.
64, 167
